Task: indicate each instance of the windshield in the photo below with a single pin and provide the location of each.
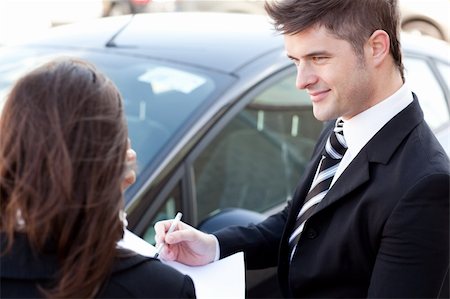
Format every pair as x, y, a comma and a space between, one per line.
161, 99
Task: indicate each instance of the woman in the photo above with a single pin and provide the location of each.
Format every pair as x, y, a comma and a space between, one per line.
63, 146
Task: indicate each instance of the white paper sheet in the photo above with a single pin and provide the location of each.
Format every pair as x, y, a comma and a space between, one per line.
222, 279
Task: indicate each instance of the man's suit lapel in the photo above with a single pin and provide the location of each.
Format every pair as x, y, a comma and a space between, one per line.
356, 174
378, 150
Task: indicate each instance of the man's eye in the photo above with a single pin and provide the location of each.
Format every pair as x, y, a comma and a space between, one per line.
319, 59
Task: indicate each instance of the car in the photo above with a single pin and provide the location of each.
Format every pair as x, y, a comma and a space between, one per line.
220, 130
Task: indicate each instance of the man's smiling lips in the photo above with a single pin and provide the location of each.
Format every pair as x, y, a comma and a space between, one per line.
317, 96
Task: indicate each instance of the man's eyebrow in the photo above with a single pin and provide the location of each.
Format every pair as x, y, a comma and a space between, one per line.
312, 54
291, 57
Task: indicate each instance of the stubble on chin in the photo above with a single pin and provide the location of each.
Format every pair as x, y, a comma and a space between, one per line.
323, 113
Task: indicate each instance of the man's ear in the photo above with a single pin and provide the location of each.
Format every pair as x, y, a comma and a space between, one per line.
379, 46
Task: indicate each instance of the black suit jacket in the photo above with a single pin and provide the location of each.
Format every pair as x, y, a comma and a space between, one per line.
381, 231
133, 276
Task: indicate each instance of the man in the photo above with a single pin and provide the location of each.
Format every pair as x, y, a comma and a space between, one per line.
370, 217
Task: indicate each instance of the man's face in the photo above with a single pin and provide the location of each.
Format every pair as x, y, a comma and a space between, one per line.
337, 80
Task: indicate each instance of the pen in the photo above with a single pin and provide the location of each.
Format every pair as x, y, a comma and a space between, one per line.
171, 229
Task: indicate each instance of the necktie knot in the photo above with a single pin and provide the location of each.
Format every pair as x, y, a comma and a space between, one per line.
336, 145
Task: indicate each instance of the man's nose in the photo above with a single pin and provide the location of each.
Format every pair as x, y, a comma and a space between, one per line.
305, 76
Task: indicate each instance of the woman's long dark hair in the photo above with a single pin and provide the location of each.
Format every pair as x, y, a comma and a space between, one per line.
63, 143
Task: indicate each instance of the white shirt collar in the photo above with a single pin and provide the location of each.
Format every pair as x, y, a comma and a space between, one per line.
362, 127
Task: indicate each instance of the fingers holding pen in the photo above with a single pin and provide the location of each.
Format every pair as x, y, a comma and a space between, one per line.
185, 244
164, 238
176, 236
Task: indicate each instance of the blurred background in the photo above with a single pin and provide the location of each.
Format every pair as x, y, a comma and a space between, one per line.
20, 19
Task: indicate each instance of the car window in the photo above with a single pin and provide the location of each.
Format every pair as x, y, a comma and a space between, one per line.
162, 99
159, 97
158, 100
424, 83
256, 160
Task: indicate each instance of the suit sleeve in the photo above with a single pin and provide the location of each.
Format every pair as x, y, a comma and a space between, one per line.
413, 258
260, 243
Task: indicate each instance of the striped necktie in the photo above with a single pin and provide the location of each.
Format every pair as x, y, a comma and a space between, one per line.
334, 151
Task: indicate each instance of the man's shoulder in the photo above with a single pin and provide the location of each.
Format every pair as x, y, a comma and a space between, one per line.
424, 145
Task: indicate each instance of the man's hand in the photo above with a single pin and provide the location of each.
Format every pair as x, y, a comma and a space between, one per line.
186, 244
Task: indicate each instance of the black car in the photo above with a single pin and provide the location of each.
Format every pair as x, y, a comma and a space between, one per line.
220, 130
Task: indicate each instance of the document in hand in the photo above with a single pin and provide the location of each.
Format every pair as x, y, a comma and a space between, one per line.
222, 279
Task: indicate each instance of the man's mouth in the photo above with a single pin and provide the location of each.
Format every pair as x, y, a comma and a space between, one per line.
317, 96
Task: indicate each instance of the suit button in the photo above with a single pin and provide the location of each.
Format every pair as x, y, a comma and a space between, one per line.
311, 233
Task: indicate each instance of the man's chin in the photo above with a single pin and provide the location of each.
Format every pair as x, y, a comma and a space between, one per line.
320, 115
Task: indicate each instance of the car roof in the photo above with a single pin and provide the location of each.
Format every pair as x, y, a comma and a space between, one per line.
218, 41
224, 42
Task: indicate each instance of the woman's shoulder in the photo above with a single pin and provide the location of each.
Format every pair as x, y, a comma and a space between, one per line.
137, 276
